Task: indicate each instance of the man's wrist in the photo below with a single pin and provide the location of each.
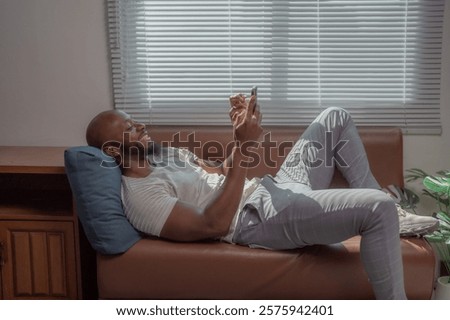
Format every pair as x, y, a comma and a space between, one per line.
242, 155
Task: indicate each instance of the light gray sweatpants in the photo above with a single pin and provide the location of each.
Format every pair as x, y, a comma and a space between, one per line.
295, 209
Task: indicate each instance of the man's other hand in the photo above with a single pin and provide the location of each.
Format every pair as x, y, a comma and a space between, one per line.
246, 120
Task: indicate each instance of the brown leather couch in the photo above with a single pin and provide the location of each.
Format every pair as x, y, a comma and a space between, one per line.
158, 269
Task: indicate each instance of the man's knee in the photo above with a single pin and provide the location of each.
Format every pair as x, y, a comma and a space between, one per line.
335, 117
336, 110
385, 208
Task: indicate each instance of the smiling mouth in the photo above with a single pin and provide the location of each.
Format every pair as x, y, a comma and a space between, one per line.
145, 137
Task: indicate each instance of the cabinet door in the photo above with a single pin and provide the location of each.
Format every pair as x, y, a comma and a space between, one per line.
39, 260
1, 265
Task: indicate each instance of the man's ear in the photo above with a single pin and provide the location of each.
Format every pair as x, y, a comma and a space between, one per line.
112, 151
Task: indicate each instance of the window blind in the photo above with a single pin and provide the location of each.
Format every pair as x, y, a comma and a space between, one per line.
177, 62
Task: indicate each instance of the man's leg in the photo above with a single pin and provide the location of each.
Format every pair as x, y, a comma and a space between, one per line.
332, 216
330, 140
289, 215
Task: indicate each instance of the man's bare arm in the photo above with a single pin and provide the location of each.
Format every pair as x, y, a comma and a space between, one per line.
238, 105
189, 223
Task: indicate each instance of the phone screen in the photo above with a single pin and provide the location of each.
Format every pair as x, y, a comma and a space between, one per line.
254, 92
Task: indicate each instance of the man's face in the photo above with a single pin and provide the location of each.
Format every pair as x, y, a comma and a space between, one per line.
135, 135
130, 135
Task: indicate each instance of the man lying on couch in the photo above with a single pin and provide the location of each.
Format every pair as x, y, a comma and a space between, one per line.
170, 193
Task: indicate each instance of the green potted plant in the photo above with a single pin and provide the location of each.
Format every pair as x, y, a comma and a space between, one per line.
438, 187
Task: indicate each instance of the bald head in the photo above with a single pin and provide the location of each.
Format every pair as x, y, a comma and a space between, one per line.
106, 126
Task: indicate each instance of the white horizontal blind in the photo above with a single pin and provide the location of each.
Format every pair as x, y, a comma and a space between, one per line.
176, 62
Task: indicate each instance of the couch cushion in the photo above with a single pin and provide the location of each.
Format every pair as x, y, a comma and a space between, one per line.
157, 269
95, 181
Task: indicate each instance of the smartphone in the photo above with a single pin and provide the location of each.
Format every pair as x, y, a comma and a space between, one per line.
254, 92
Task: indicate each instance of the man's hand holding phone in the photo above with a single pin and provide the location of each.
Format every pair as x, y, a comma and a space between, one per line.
254, 93
246, 118
239, 104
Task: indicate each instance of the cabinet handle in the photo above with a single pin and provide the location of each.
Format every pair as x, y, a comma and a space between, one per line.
2, 253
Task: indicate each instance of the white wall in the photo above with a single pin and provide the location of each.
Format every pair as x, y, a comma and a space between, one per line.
54, 77
432, 153
54, 71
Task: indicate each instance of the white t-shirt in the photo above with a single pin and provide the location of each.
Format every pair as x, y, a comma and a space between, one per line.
149, 201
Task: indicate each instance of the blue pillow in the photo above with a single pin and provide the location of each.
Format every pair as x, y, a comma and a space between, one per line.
95, 180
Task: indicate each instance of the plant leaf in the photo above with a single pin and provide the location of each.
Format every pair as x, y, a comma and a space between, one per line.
415, 174
445, 227
443, 216
445, 173
406, 198
430, 194
437, 184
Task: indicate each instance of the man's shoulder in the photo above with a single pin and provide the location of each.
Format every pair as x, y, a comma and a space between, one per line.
147, 186
172, 155
148, 181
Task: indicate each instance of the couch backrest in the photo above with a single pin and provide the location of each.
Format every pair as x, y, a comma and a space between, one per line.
384, 147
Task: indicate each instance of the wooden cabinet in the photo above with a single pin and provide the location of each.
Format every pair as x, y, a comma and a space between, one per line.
39, 252
39, 259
